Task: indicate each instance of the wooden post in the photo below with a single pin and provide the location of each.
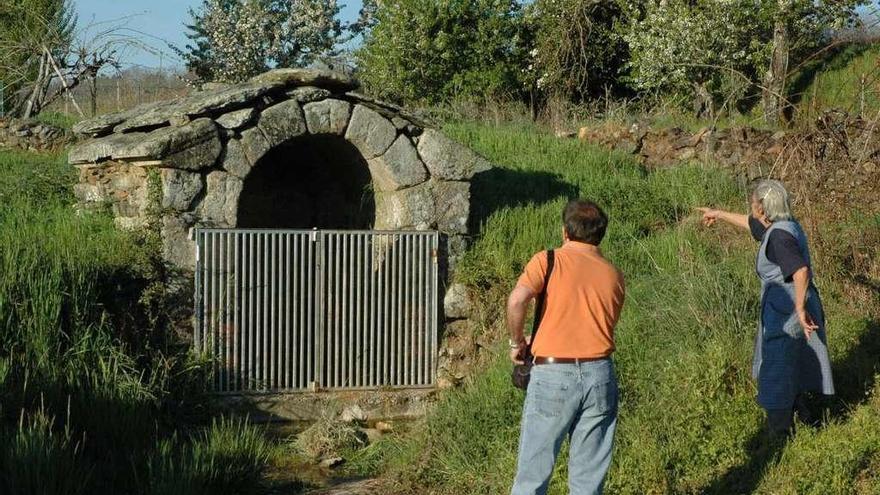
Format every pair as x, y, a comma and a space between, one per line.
63, 82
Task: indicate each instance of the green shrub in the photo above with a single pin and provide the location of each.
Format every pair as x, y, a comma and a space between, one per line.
437, 50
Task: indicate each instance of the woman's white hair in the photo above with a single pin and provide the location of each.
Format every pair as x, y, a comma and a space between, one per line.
774, 199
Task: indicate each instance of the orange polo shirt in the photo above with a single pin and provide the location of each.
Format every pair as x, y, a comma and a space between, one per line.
583, 302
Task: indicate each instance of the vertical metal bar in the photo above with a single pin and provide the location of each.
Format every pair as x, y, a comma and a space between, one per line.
342, 291
227, 348
261, 312
423, 299
279, 312
249, 313
373, 356
329, 311
395, 305
311, 298
215, 309
243, 315
237, 319
279, 309
434, 303
288, 330
352, 308
349, 306
255, 310
197, 299
389, 322
337, 337
363, 314
413, 310
408, 322
288, 359
320, 363
404, 310
273, 309
417, 347
301, 263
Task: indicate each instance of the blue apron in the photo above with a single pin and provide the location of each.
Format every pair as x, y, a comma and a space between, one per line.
785, 363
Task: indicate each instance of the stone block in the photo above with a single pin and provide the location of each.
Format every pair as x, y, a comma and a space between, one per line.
282, 122
457, 302
308, 94
234, 160
327, 117
224, 100
180, 188
411, 208
177, 248
193, 146
447, 159
399, 167
219, 207
322, 78
452, 204
236, 119
254, 144
101, 149
370, 132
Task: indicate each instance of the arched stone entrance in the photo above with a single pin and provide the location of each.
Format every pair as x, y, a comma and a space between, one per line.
316, 182
290, 148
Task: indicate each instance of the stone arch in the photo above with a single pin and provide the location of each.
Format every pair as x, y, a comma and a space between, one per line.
205, 150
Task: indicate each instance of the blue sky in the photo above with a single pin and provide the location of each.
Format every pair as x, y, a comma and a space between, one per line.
154, 22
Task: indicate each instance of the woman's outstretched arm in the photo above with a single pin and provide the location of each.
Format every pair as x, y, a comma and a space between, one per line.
710, 215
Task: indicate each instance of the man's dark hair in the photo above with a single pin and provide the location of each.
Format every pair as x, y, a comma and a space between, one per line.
584, 221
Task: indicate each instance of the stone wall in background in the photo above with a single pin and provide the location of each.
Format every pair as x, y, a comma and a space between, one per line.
837, 154
32, 135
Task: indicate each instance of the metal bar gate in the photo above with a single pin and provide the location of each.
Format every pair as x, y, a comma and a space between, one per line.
289, 310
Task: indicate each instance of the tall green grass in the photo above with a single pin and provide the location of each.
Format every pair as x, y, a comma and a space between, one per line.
96, 395
848, 79
688, 421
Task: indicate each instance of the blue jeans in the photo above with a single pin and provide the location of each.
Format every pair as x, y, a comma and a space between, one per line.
578, 400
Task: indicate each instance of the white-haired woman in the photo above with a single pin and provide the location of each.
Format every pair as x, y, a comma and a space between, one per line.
791, 357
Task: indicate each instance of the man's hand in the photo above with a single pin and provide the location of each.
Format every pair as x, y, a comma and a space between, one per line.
709, 215
807, 323
517, 354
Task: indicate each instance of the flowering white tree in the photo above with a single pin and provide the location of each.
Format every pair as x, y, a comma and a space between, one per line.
236, 39
683, 45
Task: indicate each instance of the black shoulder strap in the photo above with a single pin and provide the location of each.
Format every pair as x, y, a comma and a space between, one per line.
539, 303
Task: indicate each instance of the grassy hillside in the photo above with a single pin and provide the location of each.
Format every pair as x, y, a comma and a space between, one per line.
848, 80
688, 420
95, 394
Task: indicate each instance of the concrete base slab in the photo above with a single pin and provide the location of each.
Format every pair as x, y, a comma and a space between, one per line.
308, 406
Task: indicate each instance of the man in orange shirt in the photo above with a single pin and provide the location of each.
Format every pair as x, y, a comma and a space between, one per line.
573, 387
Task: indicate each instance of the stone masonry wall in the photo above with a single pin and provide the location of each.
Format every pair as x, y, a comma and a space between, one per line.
201, 150
31, 135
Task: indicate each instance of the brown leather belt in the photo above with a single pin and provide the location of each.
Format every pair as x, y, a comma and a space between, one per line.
553, 360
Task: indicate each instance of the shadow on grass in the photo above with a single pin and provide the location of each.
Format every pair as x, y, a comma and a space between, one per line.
854, 377
498, 188
743, 479
833, 59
